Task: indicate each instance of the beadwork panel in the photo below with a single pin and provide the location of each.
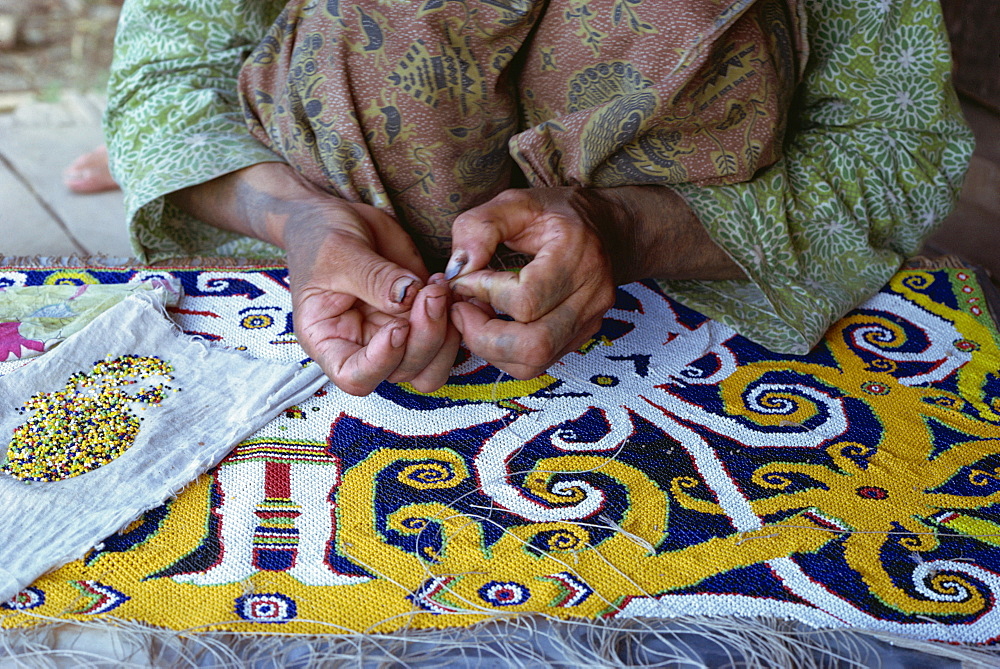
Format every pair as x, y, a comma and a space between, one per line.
668, 467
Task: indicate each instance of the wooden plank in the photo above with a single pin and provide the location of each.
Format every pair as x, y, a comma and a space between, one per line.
40, 140
971, 233
973, 26
985, 124
26, 229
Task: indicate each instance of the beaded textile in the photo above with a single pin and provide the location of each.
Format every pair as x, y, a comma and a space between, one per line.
669, 467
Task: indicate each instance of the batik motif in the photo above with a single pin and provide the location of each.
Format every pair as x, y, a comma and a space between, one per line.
639, 93
874, 160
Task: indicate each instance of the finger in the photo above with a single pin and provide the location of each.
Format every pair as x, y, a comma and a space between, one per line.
524, 350
391, 241
491, 287
354, 268
437, 372
482, 306
358, 370
568, 258
428, 329
355, 353
476, 233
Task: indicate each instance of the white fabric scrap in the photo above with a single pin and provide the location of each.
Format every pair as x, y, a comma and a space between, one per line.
226, 396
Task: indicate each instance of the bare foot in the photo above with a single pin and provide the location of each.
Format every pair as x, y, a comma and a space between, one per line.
89, 173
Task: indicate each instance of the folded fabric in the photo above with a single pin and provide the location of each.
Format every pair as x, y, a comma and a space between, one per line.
33, 319
116, 420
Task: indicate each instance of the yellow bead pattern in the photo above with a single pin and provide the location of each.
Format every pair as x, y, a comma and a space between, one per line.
88, 423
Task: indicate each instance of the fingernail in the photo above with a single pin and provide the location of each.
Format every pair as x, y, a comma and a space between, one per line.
435, 307
400, 287
398, 336
455, 265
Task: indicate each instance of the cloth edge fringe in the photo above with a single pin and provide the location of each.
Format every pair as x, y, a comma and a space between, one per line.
753, 643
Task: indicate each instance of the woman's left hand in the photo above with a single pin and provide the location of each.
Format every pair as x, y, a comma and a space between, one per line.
557, 300
584, 242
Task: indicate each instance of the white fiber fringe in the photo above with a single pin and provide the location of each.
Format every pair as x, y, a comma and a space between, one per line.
529, 642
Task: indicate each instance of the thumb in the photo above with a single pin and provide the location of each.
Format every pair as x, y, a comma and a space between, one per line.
475, 235
375, 280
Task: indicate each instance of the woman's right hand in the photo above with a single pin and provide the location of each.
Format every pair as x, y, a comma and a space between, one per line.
364, 307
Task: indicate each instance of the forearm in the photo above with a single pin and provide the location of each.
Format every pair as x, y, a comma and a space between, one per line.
651, 232
173, 118
258, 201
648, 231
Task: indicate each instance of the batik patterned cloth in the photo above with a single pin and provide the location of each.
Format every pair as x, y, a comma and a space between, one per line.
669, 467
875, 155
607, 94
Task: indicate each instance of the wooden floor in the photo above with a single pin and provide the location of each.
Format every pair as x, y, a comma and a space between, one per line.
39, 216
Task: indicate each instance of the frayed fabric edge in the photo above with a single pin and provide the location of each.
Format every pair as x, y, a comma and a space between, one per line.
71, 261
935, 262
507, 641
99, 260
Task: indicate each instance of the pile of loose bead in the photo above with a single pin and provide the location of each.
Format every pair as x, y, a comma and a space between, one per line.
88, 423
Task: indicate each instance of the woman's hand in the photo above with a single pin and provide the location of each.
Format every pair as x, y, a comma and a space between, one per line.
557, 300
364, 306
584, 242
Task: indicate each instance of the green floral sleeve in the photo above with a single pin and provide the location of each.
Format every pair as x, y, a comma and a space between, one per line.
875, 163
174, 120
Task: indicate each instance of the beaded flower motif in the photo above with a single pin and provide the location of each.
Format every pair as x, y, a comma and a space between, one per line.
88, 423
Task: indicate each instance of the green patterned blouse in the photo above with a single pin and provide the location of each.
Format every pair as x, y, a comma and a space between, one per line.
873, 162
